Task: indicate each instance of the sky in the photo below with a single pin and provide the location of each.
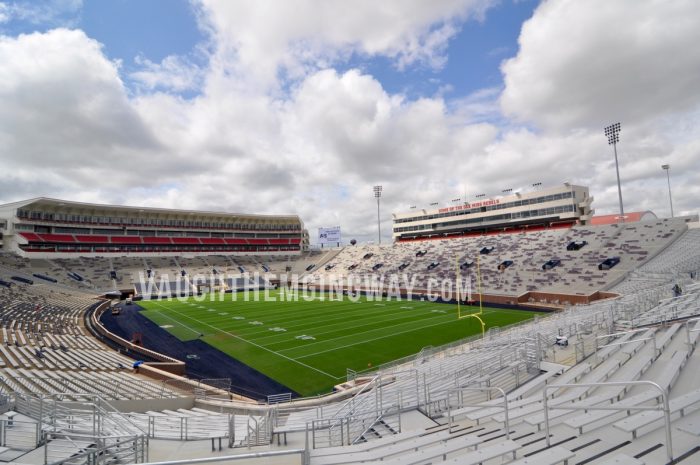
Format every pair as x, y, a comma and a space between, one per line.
302, 106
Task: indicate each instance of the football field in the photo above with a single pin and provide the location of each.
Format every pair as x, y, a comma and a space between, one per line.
308, 344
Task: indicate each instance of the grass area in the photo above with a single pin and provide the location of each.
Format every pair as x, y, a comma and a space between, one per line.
307, 345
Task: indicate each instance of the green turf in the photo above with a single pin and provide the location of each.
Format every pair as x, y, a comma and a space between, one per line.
345, 334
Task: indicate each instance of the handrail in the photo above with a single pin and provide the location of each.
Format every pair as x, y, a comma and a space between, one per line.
96, 451
657, 351
112, 411
485, 388
352, 400
666, 409
226, 458
376, 420
633, 331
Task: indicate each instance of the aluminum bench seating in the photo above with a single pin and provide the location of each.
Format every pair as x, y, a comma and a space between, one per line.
571, 375
419, 450
512, 396
485, 453
380, 442
593, 416
600, 373
549, 456
622, 459
639, 420
666, 379
690, 427
632, 347
665, 338
629, 371
606, 352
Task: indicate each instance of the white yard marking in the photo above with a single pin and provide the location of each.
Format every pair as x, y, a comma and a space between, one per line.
373, 339
249, 342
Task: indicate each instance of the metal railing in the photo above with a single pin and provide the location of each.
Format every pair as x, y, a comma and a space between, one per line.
70, 424
230, 458
488, 389
19, 434
74, 449
663, 407
347, 430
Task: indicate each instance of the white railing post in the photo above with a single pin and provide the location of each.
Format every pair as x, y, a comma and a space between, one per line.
664, 397
486, 389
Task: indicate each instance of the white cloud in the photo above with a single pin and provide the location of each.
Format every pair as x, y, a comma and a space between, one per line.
263, 39
589, 63
174, 73
4, 12
276, 128
48, 12
62, 99
583, 65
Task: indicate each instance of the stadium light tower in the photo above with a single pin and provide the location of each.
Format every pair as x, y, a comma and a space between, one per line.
666, 167
378, 195
613, 134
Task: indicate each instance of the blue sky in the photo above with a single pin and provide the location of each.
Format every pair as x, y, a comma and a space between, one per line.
475, 55
302, 106
156, 29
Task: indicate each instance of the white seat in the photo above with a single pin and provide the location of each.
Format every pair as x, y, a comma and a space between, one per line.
622, 459
550, 456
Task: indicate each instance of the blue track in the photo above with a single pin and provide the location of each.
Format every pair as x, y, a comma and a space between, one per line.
212, 363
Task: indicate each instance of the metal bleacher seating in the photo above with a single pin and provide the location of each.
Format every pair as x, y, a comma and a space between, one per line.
600, 404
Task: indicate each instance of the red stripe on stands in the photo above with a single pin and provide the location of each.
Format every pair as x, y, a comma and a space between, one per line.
31, 237
156, 240
57, 237
125, 239
236, 241
92, 239
212, 241
186, 240
279, 241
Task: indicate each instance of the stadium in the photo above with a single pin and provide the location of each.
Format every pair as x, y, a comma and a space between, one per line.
313, 232
128, 333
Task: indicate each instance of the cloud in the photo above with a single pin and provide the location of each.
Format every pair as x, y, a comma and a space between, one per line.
264, 39
64, 106
4, 12
49, 12
273, 125
584, 64
173, 74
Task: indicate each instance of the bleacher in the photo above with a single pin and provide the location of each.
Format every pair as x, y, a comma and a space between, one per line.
577, 272
598, 400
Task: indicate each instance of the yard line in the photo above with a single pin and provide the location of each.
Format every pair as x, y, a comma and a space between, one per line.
388, 314
251, 343
362, 323
341, 318
374, 339
178, 322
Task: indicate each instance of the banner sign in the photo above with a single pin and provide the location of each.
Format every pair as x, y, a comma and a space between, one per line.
329, 235
467, 206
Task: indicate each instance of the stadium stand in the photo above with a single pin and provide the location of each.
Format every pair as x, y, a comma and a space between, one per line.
624, 389
576, 274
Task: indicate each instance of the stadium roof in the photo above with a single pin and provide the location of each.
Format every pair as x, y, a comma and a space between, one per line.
68, 204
